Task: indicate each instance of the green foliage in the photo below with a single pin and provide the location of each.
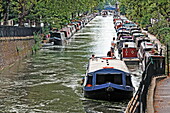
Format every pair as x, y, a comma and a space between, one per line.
53, 12
37, 44
164, 33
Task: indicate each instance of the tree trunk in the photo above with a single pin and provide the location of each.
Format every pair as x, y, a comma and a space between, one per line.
6, 13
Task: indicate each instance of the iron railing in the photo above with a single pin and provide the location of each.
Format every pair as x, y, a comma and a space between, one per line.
167, 54
155, 67
16, 31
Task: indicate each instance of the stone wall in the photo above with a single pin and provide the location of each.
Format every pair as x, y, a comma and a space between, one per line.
13, 49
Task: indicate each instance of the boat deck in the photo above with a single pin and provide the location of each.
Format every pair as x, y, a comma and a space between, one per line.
101, 63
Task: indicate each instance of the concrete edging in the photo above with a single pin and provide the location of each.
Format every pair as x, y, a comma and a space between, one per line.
151, 92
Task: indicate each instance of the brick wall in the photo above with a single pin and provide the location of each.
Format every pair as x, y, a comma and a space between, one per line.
14, 48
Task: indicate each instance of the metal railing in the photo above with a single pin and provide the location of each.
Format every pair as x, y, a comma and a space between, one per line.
155, 67
16, 31
167, 54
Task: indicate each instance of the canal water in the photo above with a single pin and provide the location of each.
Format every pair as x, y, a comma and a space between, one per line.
49, 82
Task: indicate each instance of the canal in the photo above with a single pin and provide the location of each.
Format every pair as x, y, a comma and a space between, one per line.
50, 80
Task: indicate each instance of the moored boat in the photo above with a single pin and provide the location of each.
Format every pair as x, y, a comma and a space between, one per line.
129, 53
107, 78
58, 38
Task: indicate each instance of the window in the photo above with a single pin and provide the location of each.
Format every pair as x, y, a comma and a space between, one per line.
128, 80
89, 79
56, 35
105, 78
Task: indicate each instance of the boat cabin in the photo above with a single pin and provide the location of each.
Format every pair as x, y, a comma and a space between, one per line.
122, 40
144, 48
135, 28
122, 28
139, 40
107, 80
125, 32
66, 31
72, 27
135, 35
129, 50
129, 25
77, 24
125, 38
116, 19
135, 31
57, 37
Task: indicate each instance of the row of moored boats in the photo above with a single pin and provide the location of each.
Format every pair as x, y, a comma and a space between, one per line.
108, 77
59, 37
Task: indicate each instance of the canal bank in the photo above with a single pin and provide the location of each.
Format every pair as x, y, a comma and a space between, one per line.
14, 49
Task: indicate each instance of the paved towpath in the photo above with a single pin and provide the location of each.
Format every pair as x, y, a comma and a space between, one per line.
162, 96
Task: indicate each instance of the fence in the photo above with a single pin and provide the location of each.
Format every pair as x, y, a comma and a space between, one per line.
167, 54
15, 31
154, 67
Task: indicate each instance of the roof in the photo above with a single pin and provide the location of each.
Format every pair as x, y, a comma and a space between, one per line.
129, 44
146, 45
106, 62
136, 34
129, 25
109, 7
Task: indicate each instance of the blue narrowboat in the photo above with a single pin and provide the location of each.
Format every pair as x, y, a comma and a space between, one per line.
107, 79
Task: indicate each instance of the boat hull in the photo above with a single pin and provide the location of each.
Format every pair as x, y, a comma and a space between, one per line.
58, 42
112, 94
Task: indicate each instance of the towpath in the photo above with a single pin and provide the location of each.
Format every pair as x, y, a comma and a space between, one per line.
162, 96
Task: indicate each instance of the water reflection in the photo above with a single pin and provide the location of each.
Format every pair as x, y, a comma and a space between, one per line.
50, 80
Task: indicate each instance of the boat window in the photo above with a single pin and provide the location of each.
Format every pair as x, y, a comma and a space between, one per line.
105, 78
55, 35
89, 79
148, 49
128, 81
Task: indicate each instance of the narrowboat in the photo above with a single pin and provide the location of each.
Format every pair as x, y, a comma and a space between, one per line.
116, 19
122, 40
73, 28
58, 38
129, 53
155, 59
135, 28
122, 28
135, 35
135, 31
66, 31
77, 24
129, 25
139, 40
144, 48
123, 32
107, 79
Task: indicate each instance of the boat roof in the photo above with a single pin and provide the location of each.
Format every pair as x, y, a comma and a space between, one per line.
147, 45
129, 44
126, 37
138, 34
129, 25
99, 63
143, 38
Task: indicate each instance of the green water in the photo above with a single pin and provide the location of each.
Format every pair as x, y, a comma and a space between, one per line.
49, 82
